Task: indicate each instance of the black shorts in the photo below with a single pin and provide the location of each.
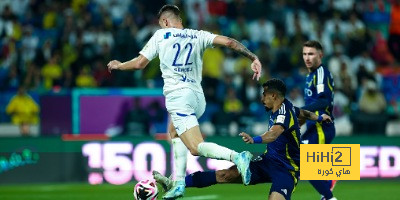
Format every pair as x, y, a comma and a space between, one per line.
264, 170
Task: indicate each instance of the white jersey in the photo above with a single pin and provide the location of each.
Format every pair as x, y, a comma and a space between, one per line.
181, 56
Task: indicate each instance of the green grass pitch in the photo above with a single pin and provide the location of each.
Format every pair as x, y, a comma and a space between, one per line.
365, 189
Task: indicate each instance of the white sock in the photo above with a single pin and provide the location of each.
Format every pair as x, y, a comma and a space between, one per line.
212, 150
180, 159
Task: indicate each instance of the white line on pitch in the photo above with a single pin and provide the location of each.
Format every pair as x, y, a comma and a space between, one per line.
202, 197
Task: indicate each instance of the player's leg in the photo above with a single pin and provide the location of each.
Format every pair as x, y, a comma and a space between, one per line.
193, 139
202, 179
184, 116
165, 182
208, 178
179, 167
283, 184
316, 135
230, 175
283, 181
276, 196
195, 143
180, 154
332, 184
185, 107
323, 188
330, 133
175, 103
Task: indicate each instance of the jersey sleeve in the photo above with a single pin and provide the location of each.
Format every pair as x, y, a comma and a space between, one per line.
206, 39
324, 83
150, 50
283, 117
324, 89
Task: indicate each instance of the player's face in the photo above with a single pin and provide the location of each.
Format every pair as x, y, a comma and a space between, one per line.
267, 99
312, 57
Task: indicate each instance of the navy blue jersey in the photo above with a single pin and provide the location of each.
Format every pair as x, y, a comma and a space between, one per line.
318, 97
318, 92
285, 150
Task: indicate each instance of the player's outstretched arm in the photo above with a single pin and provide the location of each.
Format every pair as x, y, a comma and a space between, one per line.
137, 63
305, 114
240, 48
274, 132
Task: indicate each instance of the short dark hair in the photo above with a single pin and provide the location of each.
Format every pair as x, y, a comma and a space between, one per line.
313, 44
276, 85
169, 8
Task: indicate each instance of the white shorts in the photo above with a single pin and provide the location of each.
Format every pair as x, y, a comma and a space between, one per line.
185, 106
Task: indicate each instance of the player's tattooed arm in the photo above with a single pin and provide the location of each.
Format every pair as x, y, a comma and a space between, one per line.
240, 48
305, 114
235, 45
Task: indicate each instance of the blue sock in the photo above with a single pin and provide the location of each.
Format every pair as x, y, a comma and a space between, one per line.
201, 179
323, 187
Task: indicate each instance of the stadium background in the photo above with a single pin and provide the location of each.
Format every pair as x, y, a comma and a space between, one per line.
102, 129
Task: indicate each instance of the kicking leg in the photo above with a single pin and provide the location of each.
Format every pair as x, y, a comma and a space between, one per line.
230, 175
202, 179
208, 178
195, 143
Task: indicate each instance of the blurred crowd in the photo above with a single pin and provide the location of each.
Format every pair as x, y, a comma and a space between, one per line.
59, 45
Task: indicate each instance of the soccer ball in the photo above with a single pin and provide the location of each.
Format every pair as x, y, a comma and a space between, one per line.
145, 190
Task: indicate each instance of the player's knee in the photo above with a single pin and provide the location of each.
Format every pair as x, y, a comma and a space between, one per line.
194, 151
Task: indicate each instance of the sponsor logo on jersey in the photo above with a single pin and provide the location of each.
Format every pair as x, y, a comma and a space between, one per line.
308, 92
184, 35
167, 34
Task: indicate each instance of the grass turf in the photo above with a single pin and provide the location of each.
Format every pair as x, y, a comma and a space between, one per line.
365, 189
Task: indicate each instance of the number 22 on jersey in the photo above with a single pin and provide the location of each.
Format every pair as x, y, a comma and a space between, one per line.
188, 46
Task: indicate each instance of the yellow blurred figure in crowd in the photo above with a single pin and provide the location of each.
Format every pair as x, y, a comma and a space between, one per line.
24, 111
85, 78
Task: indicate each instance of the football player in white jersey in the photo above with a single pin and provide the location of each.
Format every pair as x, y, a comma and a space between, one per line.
181, 51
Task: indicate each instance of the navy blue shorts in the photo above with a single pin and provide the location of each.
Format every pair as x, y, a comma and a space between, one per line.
264, 170
319, 133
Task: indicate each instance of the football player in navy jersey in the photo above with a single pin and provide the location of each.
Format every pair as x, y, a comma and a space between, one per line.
318, 98
281, 161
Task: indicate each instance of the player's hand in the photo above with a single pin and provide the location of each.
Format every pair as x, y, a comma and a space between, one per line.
326, 118
114, 64
256, 67
247, 138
